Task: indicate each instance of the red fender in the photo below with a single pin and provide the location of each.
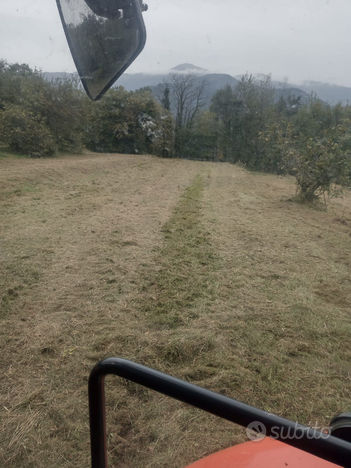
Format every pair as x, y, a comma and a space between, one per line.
266, 453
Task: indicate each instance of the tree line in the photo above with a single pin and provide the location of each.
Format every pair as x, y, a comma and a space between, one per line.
38, 117
262, 127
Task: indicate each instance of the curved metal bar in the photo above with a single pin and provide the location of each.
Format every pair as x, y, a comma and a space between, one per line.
331, 449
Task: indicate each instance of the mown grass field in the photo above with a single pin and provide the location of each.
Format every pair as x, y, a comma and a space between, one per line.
201, 270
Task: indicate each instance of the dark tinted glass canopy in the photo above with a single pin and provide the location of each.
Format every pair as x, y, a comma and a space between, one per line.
105, 37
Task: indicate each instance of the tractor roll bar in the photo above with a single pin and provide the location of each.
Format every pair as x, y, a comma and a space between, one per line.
331, 449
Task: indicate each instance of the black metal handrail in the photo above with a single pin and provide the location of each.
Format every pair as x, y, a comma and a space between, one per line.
331, 449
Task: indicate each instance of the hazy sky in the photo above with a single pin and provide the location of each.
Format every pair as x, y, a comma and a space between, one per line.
297, 39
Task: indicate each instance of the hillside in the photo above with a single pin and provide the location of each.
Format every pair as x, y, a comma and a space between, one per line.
328, 92
218, 81
131, 82
201, 270
215, 81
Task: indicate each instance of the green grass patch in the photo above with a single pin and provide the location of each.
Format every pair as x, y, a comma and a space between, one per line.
183, 270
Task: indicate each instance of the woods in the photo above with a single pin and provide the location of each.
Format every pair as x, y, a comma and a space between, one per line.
260, 126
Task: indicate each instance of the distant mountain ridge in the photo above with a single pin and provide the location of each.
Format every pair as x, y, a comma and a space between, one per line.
132, 81
188, 68
215, 81
328, 92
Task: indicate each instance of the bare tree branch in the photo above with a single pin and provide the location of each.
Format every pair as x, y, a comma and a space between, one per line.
189, 97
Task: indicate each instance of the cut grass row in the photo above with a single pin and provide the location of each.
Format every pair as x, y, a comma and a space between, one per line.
184, 266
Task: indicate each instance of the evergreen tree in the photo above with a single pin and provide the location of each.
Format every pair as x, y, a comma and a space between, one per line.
166, 101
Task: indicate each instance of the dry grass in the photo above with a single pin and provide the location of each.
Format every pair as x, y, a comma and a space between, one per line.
201, 270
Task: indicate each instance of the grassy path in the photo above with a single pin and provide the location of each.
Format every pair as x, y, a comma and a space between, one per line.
200, 270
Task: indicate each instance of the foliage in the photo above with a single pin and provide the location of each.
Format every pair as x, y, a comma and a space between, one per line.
11, 79
165, 142
226, 110
243, 113
26, 132
55, 111
269, 130
200, 141
129, 122
166, 101
320, 165
288, 105
313, 144
61, 104
192, 145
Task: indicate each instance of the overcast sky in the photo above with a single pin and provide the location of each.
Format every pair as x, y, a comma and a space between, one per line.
297, 39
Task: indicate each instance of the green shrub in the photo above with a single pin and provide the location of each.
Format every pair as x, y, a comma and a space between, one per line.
320, 165
129, 122
26, 133
60, 104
